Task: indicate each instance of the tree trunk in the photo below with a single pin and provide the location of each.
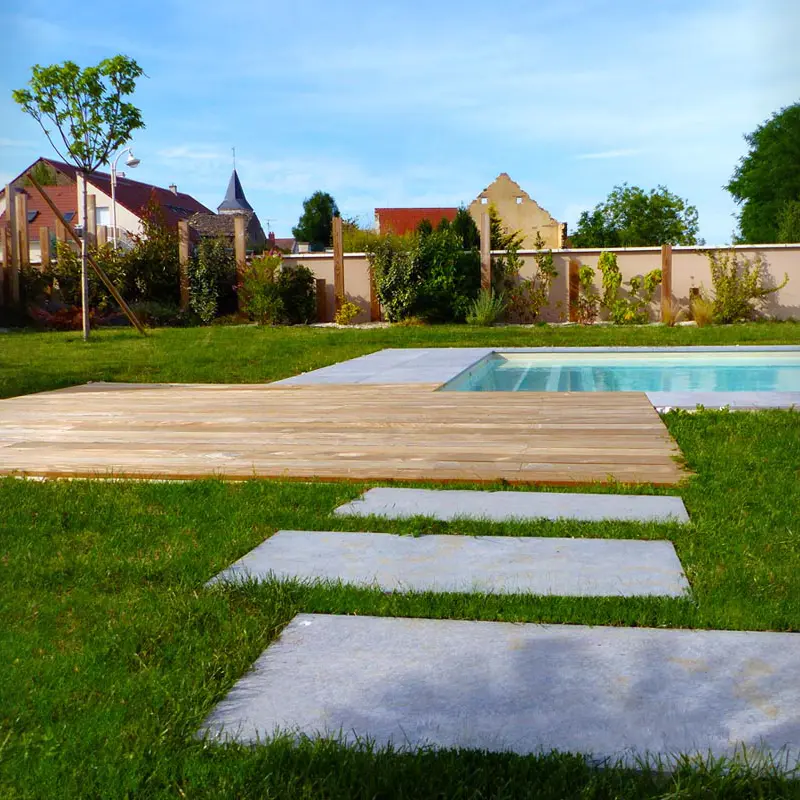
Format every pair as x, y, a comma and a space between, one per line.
84, 263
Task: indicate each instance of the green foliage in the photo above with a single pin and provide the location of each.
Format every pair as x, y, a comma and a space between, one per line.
587, 305
273, 293
60, 281
356, 239
346, 312
297, 290
768, 177
702, 310
155, 314
425, 227
425, 276
631, 217
85, 107
501, 237
486, 309
43, 173
789, 222
152, 265
212, 273
316, 222
465, 228
739, 285
528, 296
635, 308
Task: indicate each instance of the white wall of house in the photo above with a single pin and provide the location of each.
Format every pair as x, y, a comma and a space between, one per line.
127, 221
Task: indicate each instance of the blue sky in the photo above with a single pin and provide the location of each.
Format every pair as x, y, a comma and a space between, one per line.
409, 104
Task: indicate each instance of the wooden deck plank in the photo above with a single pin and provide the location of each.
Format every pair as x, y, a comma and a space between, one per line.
337, 432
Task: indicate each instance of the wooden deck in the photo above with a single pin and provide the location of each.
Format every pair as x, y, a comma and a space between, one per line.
336, 432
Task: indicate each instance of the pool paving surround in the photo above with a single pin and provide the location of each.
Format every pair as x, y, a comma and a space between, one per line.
450, 504
606, 692
453, 563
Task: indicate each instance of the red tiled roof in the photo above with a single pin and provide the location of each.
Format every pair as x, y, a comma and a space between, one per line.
66, 200
403, 220
134, 195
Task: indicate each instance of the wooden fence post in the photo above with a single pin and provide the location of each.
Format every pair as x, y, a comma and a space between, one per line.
12, 271
666, 279
486, 252
183, 261
574, 289
44, 246
22, 227
90, 224
240, 251
102, 235
322, 300
4, 264
374, 301
338, 262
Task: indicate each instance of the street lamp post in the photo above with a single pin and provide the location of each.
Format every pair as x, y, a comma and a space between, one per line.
132, 162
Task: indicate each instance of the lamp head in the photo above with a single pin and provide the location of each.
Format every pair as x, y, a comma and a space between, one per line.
132, 161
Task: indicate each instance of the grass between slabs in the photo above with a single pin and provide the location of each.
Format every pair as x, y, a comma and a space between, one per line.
34, 362
114, 652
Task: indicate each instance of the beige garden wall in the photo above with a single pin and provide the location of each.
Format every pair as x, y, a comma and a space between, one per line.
690, 268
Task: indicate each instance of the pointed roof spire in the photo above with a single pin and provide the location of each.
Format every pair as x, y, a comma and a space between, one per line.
234, 197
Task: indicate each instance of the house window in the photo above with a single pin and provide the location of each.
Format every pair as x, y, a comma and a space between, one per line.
102, 215
519, 201
484, 201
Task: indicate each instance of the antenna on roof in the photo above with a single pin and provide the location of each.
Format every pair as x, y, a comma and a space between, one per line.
233, 150
269, 227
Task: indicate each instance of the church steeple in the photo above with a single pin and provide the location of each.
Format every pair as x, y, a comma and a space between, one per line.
234, 198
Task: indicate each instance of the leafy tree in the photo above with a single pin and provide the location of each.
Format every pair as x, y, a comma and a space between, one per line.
631, 217
768, 177
789, 222
315, 225
44, 174
86, 113
466, 229
425, 227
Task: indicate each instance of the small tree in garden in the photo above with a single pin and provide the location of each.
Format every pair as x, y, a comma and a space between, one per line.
635, 308
465, 228
211, 274
85, 117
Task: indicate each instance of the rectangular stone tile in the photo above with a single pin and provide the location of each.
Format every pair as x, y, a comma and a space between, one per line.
492, 564
614, 693
449, 504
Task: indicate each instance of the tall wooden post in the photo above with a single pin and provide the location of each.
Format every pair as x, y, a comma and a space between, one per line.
183, 261
239, 250
4, 264
44, 246
374, 301
486, 252
12, 271
574, 289
102, 235
322, 300
90, 223
22, 228
666, 278
338, 262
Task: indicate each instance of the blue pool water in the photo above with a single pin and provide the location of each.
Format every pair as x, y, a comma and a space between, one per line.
640, 372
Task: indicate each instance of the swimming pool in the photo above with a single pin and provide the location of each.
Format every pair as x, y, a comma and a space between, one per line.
632, 372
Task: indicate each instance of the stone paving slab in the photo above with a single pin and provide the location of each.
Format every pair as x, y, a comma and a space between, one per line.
614, 693
742, 401
450, 504
491, 564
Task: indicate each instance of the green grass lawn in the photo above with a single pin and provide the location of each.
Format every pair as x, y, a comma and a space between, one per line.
113, 652
32, 362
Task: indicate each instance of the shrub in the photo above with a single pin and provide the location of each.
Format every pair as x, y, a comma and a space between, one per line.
427, 276
587, 305
212, 273
297, 291
739, 285
60, 281
486, 308
671, 312
702, 310
634, 309
528, 296
346, 312
156, 314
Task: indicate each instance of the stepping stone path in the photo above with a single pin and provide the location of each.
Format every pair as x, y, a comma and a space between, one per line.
452, 504
498, 564
608, 693
605, 692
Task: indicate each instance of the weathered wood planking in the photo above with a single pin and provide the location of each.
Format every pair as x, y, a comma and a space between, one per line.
360, 432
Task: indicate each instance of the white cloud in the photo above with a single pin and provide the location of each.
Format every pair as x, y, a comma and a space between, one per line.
610, 154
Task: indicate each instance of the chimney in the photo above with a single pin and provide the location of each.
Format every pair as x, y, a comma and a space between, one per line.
173, 188
271, 237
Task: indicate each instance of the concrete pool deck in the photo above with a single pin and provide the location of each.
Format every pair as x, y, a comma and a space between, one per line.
439, 365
